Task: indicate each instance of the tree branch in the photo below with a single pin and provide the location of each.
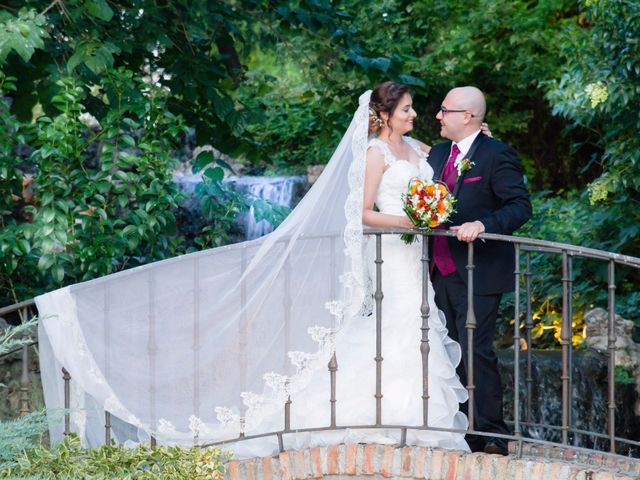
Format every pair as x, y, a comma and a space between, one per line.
7, 7
60, 3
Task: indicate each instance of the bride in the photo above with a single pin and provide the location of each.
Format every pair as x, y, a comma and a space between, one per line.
216, 345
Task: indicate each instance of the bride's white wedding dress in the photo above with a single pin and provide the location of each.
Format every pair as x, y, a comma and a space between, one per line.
355, 347
207, 347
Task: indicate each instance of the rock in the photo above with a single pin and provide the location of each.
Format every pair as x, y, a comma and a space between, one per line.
597, 321
627, 352
313, 172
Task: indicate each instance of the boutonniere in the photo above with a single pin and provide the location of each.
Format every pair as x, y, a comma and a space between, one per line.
463, 165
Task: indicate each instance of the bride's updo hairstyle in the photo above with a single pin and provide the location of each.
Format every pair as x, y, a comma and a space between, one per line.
384, 98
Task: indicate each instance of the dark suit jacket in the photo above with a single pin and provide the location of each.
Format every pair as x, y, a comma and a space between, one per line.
493, 192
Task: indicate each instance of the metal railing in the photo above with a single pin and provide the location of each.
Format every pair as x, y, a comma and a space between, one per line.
523, 247
25, 311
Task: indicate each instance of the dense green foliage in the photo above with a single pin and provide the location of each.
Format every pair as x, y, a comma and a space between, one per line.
69, 460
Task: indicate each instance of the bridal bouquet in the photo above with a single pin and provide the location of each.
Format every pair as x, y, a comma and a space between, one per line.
428, 204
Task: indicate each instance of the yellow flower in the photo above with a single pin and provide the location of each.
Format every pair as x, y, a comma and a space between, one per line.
597, 92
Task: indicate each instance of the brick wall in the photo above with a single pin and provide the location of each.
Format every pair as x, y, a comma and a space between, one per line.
389, 461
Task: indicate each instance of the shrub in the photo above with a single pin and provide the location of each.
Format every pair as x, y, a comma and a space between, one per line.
69, 460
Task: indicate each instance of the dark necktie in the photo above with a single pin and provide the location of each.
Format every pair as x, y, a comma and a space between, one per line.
450, 173
441, 253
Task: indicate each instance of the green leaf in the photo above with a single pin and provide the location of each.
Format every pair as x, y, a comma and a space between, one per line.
100, 9
215, 174
24, 246
103, 187
75, 60
129, 229
237, 121
222, 106
96, 56
45, 262
203, 159
224, 164
47, 230
128, 140
48, 214
22, 35
58, 273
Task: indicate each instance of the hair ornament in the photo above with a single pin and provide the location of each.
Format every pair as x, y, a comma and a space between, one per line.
375, 119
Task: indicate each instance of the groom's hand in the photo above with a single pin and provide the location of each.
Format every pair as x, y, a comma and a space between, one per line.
468, 232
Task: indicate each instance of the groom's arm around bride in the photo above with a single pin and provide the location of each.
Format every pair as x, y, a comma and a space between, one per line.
486, 177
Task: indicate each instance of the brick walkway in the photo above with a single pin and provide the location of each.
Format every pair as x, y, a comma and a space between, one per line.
388, 461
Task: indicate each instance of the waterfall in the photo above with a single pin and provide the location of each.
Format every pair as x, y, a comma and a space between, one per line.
285, 191
588, 396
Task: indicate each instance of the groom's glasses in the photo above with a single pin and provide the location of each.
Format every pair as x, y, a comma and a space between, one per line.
445, 110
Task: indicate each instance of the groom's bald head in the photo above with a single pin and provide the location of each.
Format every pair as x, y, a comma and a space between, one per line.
462, 113
472, 99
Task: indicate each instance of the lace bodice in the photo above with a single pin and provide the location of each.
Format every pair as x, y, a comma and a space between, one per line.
396, 178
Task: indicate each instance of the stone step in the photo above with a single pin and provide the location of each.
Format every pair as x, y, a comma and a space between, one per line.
373, 461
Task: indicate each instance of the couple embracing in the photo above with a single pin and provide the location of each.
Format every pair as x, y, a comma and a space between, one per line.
486, 178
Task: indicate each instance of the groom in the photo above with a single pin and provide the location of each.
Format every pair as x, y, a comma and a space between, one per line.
486, 178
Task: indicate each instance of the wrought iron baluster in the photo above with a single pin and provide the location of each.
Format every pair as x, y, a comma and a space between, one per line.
106, 345
378, 296
528, 327
425, 347
287, 410
333, 368
107, 428
516, 345
470, 326
333, 363
152, 349
24, 379
565, 335
196, 343
66, 377
287, 304
570, 315
242, 335
611, 347
24, 382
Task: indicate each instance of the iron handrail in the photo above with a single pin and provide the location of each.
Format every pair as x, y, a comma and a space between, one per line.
522, 244
531, 243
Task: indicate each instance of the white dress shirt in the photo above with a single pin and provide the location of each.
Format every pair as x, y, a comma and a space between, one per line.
464, 145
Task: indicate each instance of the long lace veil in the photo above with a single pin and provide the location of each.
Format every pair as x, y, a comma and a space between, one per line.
206, 346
